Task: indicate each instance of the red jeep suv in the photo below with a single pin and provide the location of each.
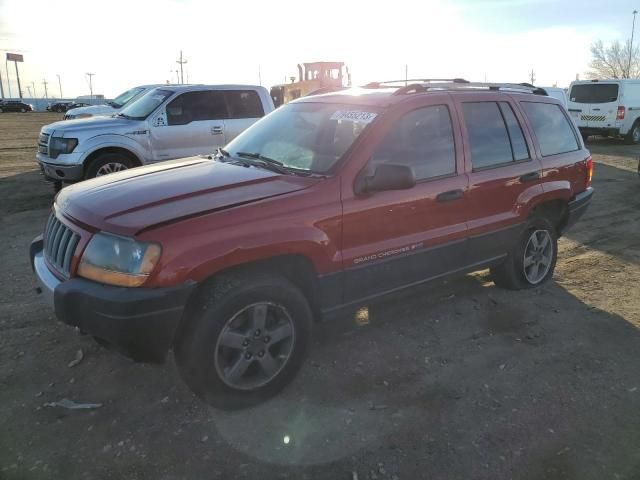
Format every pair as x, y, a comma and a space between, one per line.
326, 203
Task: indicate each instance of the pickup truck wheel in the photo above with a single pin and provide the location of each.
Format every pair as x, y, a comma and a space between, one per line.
245, 339
532, 260
107, 163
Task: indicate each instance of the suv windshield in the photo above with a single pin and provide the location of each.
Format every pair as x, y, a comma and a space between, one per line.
142, 108
594, 93
305, 136
124, 98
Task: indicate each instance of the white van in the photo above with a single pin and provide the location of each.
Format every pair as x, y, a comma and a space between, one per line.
606, 107
557, 93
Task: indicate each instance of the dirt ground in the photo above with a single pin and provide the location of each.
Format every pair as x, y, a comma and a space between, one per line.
459, 380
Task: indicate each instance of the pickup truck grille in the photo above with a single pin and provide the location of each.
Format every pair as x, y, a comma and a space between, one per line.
60, 243
43, 143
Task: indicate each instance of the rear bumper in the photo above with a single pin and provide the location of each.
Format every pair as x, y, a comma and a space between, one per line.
140, 322
608, 131
577, 207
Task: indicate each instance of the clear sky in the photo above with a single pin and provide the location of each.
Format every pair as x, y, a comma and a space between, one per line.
133, 42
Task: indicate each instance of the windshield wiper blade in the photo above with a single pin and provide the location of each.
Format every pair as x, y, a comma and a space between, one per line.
266, 161
221, 152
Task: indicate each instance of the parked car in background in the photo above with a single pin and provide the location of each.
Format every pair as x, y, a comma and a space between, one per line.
559, 94
109, 108
610, 108
166, 123
327, 203
15, 106
60, 107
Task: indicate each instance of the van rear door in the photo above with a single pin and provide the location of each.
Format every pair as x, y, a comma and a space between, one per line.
598, 102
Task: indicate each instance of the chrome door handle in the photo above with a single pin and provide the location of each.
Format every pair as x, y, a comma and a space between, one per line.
217, 130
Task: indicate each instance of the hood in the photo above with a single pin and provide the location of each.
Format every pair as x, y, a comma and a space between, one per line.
93, 110
139, 199
65, 128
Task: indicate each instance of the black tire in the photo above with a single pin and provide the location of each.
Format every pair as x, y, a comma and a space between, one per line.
511, 273
1, 110
197, 346
22, 110
633, 135
106, 159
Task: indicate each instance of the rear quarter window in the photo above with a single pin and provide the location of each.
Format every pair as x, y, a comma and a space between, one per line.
552, 128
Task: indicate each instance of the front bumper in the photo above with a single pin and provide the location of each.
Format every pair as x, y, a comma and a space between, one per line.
68, 172
577, 207
140, 322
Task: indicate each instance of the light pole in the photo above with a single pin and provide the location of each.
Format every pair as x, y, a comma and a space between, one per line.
90, 75
59, 85
633, 28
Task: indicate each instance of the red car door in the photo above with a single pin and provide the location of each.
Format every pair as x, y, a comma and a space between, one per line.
393, 239
504, 172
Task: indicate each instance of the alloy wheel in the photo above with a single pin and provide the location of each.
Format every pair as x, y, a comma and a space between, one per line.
110, 167
254, 346
538, 256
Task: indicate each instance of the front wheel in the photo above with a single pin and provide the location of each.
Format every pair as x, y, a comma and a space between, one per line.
107, 163
245, 339
532, 260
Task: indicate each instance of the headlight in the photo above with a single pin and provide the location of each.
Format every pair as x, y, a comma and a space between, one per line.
118, 261
58, 145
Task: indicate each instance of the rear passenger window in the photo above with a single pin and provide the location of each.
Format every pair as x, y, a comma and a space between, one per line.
244, 104
196, 106
423, 140
552, 129
495, 135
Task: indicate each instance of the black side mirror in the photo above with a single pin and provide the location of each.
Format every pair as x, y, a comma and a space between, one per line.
387, 176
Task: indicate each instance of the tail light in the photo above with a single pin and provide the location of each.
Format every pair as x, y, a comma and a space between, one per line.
620, 114
589, 163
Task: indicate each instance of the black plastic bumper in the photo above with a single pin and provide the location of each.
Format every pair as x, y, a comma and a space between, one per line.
577, 207
139, 322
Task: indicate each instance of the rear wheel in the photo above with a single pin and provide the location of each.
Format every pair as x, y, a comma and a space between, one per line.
532, 260
633, 136
22, 110
1, 110
108, 163
245, 339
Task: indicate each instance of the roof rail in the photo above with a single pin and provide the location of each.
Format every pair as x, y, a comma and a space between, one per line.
387, 83
512, 87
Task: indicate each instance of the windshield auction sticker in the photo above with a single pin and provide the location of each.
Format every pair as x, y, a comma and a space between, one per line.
354, 116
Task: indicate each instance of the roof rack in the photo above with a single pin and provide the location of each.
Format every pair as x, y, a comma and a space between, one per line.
388, 83
452, 85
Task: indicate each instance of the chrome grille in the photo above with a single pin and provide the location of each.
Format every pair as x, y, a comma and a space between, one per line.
60, 243
43, 143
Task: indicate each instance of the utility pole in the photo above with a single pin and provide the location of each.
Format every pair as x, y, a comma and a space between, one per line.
60, 85
259, 76
1, 89
181, 62
28, 90
35, 94
6, 67
406, 74
45, 83
90, 75
633, 28
532, 77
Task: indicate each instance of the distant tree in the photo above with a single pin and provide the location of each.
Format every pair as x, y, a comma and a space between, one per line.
613, 61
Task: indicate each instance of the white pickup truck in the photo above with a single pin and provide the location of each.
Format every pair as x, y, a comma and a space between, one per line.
109, 108
166, 123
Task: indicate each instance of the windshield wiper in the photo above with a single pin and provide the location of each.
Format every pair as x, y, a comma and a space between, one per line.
221, 152
266, 161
